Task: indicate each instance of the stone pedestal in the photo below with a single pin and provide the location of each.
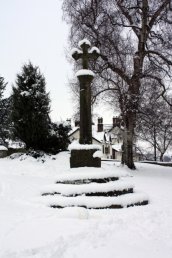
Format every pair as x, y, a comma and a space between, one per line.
84, 158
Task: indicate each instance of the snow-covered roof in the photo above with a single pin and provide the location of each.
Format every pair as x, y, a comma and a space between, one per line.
116, 127
96, 139
117, 147
74, 129
96, 136
101, 135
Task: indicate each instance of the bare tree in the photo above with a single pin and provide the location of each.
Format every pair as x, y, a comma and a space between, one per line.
154, 124
134, 37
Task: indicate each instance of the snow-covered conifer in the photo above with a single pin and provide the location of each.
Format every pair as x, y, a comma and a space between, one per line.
31, 107
4, 113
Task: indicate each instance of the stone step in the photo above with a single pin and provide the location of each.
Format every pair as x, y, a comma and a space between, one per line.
91, 202
112, 188
88, 181
82, 175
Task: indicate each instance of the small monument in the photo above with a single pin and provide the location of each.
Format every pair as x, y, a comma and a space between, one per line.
82, 154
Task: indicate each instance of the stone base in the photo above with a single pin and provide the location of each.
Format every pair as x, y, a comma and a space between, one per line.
84, 158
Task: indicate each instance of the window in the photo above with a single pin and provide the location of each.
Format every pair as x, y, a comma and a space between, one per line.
107, 150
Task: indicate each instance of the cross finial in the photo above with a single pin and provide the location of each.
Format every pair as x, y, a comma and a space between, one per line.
84, 53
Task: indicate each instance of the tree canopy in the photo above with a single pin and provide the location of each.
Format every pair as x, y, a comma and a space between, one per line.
134, 38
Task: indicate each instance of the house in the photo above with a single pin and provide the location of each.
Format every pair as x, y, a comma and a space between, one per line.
112, 138
74, 136
108, 136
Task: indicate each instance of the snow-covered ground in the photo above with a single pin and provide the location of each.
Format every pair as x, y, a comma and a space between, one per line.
29, 229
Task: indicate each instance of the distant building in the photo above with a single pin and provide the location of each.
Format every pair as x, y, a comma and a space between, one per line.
74, 135
111, 138
108, 136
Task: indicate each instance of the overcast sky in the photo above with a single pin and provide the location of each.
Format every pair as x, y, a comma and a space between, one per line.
34, 30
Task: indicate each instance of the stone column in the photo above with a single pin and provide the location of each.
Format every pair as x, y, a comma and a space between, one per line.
85, 109
85, 154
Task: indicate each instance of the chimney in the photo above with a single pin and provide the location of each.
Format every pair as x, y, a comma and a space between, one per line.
100, 124
116, 121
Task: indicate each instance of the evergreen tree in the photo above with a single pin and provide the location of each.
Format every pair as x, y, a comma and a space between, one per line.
58, 138
30, 108
63, 136
3, 112
2, 86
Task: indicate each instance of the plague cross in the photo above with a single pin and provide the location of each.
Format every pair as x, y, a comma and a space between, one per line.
85, 77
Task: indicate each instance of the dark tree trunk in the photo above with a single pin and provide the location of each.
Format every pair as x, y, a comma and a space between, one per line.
161, 156
123, 154
154, 145
130, 124
132, 107
155, 158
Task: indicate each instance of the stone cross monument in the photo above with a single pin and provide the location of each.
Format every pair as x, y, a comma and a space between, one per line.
85, 154
85, 77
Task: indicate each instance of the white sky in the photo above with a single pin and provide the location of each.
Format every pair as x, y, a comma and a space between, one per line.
33, 30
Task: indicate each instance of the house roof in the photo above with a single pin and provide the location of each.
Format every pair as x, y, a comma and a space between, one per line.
96, 139
117, 147
95, 136
71, 132
98, 136
120, 128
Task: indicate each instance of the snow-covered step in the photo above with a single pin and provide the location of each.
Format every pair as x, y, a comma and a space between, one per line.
93, 189
88, 181
92, 202
86, 176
